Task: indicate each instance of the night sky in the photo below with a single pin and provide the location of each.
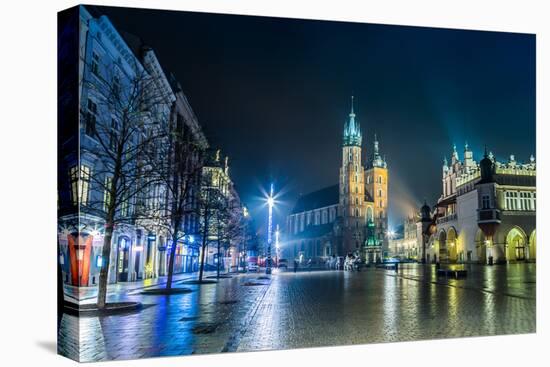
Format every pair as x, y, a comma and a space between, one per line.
274, 94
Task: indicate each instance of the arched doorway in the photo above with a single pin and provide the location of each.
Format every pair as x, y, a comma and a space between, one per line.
533, 246
515, 245
481, 246
442, 246
452, 245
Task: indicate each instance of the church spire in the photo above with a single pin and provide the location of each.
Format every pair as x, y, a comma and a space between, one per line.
352, 130
377, 160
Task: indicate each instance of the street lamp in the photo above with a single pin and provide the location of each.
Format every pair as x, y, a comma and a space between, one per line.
270, 203
277, 246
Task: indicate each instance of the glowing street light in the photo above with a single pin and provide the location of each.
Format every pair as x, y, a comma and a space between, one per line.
270, 203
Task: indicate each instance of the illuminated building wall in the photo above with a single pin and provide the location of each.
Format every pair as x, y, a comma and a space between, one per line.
487, 211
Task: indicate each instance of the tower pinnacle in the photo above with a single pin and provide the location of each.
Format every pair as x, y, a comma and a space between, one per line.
352, 130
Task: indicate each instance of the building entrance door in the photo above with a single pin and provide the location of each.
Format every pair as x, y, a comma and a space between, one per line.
122, 265
136, 264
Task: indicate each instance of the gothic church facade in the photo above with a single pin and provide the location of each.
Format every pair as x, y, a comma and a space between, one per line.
350, 217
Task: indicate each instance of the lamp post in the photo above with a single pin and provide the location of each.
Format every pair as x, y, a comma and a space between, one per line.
277, 233
270, 203
242, 263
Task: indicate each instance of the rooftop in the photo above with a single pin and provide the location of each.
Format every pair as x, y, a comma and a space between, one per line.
317, 199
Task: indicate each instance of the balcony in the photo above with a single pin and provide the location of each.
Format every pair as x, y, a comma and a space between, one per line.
447, 218
488, 216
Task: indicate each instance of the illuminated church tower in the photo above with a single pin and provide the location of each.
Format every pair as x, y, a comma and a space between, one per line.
376, 176
352, 188
350, 217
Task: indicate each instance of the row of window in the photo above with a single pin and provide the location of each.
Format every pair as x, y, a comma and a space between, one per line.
520, 200
380, 179
81, 185
299, 222
380, 194
80, 189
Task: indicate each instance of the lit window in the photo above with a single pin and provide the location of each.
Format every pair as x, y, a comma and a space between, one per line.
107, 194
525, 201
80, 184
511, 201
124, 208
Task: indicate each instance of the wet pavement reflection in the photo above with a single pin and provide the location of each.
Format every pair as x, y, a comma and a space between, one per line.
296, 310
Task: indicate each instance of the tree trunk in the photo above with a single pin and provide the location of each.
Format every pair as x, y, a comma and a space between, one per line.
204, 235
109, 226
172, 255
106, 260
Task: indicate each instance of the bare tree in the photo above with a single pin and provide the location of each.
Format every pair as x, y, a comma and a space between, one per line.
178, 167
229, 227
122, 119
212, 203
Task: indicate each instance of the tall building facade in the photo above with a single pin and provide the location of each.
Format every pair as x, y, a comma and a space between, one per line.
376, 186
353, 200
110, 64
225, 216
404, 243
486, 213
350, 217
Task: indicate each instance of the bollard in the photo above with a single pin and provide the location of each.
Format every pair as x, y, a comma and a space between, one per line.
396, 267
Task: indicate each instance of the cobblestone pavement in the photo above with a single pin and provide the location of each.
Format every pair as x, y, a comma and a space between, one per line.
296, 310
84, 295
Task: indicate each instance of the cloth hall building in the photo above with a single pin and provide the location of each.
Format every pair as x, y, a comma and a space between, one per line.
486, 213
350, 217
